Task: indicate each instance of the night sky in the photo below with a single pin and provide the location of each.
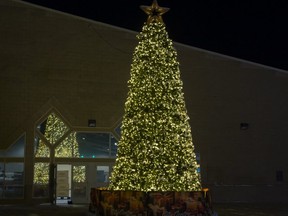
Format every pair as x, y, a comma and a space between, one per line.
254, 30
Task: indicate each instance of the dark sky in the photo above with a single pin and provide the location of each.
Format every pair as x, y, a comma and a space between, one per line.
254, 30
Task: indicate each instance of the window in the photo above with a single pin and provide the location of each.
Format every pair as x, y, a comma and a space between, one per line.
41, 180
87, 145
118, 129
68, 148
54, 135
12, 173
2, 177
53, 128
40, 148
198, 162
102, 174
11, 180
17, 149
79, 180
96, 145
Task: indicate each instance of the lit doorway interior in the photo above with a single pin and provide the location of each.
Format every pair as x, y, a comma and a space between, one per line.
63, 183
79, 184
71, 184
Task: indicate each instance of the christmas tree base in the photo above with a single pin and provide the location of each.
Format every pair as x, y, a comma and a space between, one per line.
108, 202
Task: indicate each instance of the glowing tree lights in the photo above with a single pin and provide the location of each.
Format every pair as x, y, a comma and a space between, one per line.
155, 152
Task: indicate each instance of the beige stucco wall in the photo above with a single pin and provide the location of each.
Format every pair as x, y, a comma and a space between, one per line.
81, 68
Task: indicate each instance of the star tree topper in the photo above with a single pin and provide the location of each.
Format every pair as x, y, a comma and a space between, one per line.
154, 12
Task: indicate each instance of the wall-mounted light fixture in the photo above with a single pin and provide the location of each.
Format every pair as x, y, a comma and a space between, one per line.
244, 126
91, 123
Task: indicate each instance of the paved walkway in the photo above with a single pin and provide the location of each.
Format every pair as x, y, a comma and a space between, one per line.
82, 210
249, 209
44, 210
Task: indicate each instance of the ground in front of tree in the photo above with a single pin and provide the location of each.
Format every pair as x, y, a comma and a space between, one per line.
251, 209
227, 209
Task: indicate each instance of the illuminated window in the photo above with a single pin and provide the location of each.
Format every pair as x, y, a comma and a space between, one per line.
79, 181
96, 145
40, 148
87, 145
41, 180
68, 148
53, 128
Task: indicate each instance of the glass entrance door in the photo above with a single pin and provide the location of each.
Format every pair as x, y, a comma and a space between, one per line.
71, 184
98, 174
74, 181
63, 183
79, 184
86, 176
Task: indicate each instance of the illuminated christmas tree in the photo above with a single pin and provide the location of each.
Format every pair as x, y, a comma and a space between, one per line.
155, 152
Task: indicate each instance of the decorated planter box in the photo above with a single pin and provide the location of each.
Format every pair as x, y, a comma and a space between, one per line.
136, 203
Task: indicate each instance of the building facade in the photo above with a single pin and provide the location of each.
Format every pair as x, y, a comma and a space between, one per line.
75, 71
